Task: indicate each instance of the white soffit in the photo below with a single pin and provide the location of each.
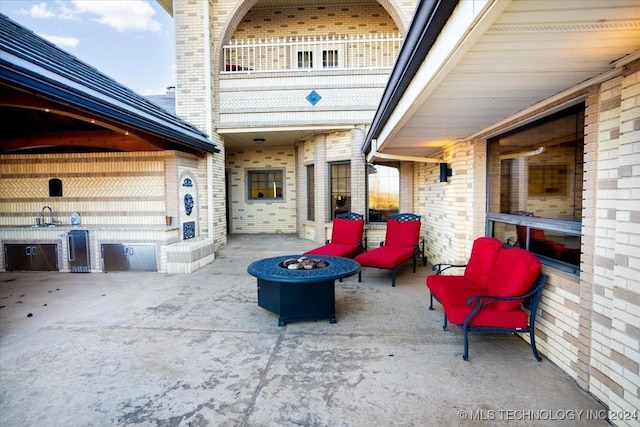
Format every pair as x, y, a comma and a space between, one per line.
496, 58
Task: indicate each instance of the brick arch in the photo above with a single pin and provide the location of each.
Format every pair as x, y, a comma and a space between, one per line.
242, 8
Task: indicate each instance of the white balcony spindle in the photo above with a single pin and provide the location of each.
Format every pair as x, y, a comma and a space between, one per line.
311, 53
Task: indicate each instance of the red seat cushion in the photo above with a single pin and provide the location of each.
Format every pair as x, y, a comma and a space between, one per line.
489, 316
442, 284
513, 273
347, 231
402, 234
453, 292
483, 255
385, 257
335, 249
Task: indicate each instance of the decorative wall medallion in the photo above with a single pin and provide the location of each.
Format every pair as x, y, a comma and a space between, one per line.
189, 230
187, 182
188, 204
313, 97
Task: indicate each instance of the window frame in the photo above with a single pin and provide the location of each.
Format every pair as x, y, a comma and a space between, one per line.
311, 192
331, 165
571, 228
316, 56
264, 172
393, 164
566, 227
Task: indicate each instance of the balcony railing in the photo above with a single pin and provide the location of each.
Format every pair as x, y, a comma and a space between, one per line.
373, 51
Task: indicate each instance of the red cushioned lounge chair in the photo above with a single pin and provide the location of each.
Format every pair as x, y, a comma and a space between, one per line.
400, 245
499, 282
346, 237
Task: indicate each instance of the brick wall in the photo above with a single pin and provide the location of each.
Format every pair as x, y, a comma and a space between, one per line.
589, 326
105, 188
262, 216
616, 289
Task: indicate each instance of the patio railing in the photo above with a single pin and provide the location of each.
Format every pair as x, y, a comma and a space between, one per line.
311, 53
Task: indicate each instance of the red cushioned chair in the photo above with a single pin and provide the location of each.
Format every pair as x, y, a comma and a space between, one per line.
400, 245
346, 237
498, 284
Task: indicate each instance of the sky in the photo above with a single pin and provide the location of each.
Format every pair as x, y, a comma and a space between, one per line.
131, 41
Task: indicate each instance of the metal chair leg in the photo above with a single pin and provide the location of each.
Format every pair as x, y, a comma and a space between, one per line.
532, 337
465, 354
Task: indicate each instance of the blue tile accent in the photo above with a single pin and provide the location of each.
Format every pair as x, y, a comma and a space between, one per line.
313, 97
188, 204
189, 230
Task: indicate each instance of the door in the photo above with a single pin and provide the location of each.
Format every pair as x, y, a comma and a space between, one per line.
31, 257
44, 257
17, 257
128, 257
78, 251
114, 257
142, 257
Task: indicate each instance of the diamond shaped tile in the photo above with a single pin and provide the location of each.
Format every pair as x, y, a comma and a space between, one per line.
313, 97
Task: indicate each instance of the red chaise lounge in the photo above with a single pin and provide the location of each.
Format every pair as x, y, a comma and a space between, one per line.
346, 237
400, 245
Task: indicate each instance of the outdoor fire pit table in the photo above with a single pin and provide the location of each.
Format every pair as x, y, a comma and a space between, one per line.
300, 294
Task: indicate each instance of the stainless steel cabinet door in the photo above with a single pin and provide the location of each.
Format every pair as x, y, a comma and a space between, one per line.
128, 257
31, 257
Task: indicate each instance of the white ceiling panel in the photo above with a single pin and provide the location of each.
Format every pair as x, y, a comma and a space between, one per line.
532, 51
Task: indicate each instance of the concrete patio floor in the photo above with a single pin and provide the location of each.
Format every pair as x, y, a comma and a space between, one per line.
149, 349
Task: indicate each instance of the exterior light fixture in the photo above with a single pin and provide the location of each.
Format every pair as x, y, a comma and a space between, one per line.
259, 141
445, 172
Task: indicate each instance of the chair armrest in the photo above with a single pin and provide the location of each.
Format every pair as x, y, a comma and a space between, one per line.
481, 301
439, 268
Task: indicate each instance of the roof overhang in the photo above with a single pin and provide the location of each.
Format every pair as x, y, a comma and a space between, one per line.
52, 80
491, 61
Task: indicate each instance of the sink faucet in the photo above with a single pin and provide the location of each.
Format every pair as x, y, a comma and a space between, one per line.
42, 220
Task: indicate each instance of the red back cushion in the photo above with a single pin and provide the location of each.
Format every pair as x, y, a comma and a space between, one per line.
402, 234
513, 273
483, 255
347, 231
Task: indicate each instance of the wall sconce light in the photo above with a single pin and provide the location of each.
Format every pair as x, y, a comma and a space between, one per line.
259, 141
445, 172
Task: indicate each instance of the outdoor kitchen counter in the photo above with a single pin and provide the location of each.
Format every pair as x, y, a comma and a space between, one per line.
159, 237
102, 227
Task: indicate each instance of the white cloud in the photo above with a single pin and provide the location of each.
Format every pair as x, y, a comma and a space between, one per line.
136, 15
61, 41
40, 11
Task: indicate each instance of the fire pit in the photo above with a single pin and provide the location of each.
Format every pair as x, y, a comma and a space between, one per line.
303, 263
300, 293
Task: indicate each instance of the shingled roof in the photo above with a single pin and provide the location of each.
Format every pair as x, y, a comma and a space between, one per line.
36, 66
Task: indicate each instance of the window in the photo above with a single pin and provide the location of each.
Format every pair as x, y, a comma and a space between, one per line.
311, 193
535, 187
265, 184
340, 184
305, 59
330, 58
383, 182
317, 56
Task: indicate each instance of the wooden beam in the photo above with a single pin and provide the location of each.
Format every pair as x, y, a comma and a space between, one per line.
103, 139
